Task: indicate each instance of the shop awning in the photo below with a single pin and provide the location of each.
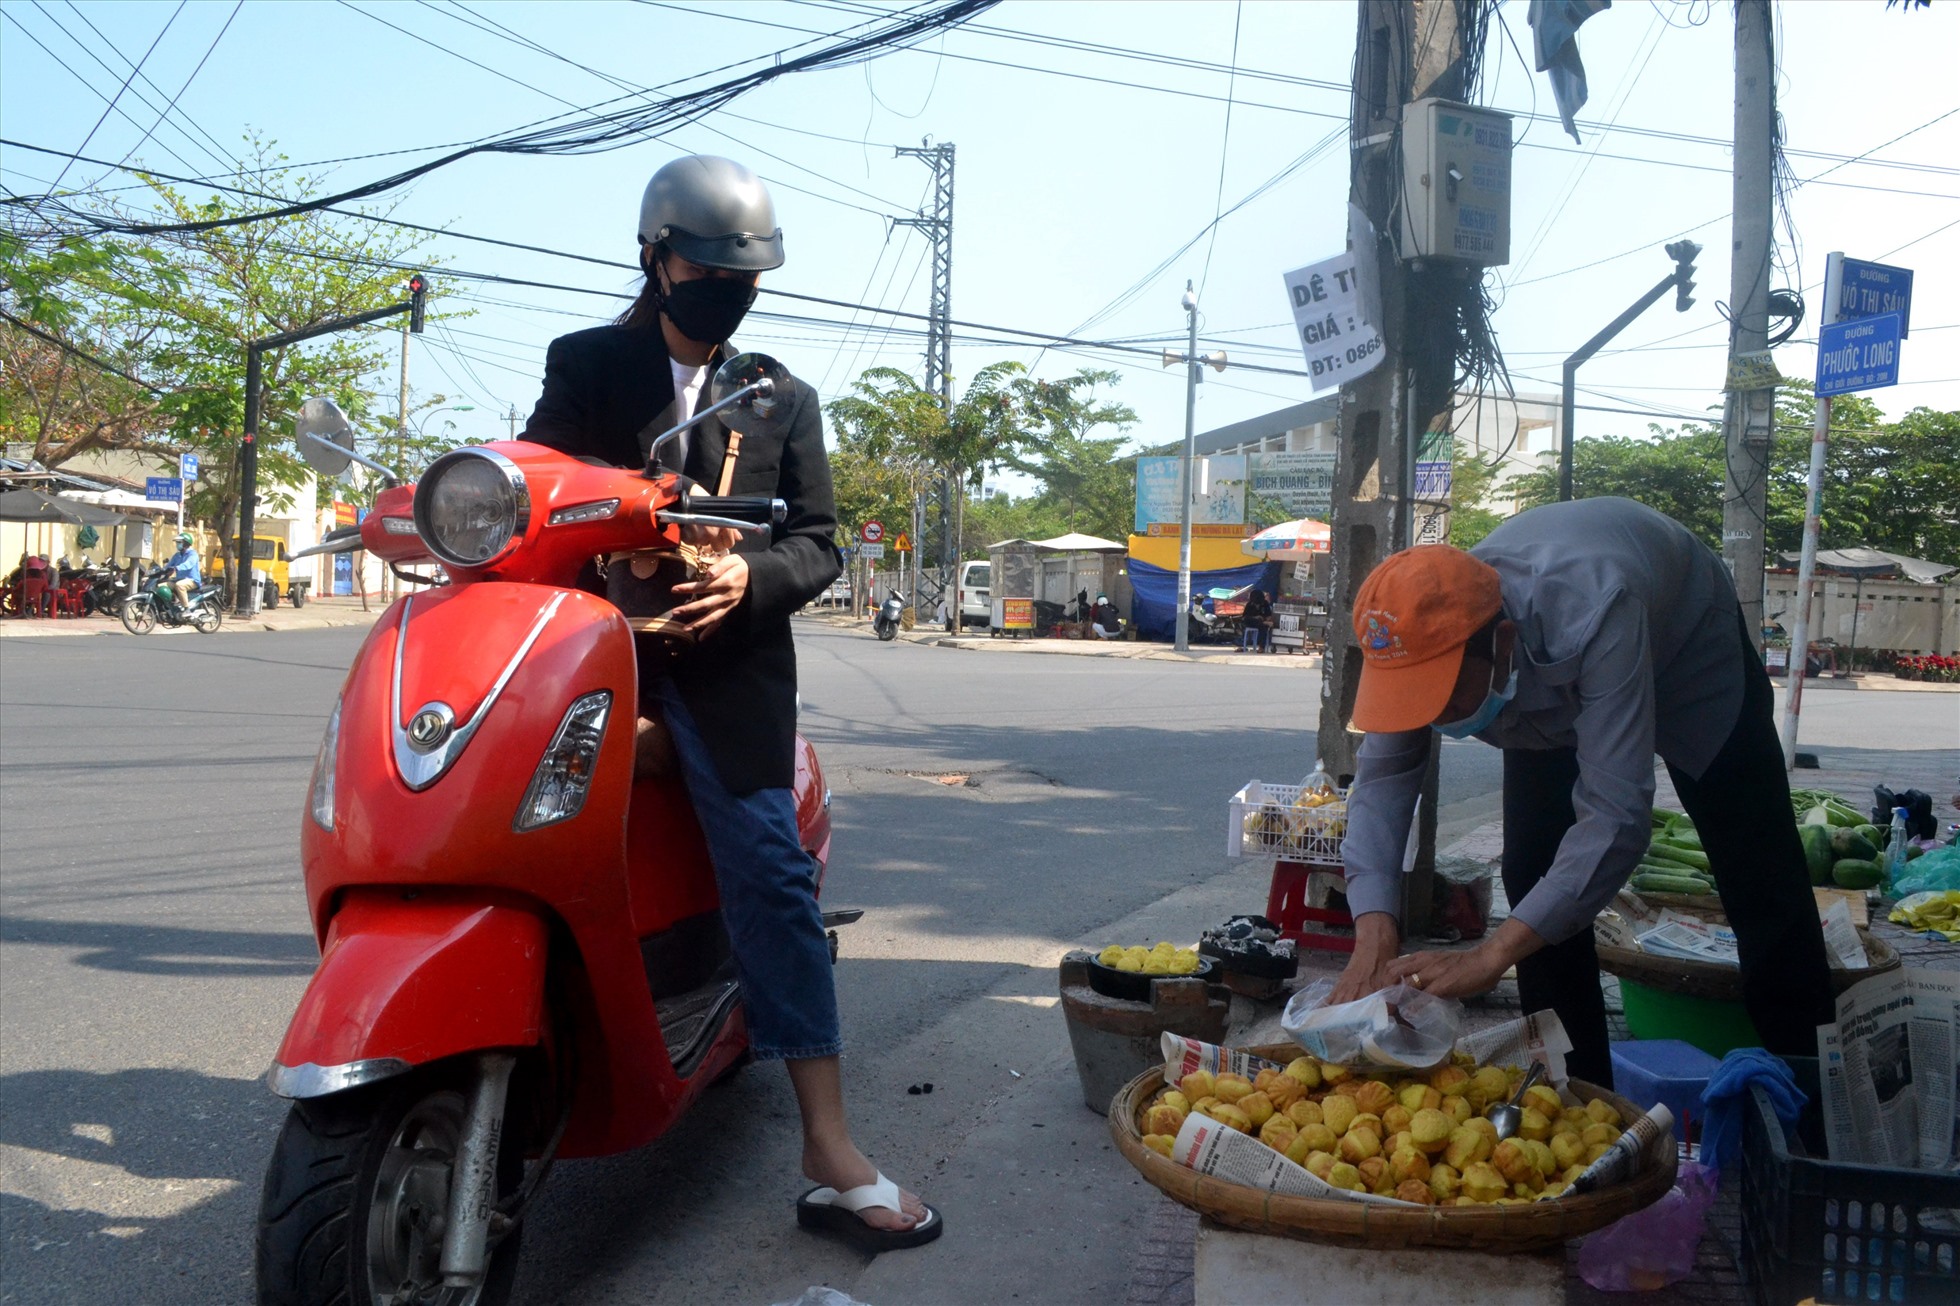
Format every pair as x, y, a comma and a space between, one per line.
34, 506
1874, 564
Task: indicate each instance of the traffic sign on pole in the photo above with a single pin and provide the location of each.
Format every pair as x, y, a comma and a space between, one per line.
904, 543
871, 552
873, 532
1862, 354
1873, 290
163, 489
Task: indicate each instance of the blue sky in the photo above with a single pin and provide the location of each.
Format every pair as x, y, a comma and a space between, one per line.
1084, 161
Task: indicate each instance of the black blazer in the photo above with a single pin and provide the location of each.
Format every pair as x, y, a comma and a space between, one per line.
602, 387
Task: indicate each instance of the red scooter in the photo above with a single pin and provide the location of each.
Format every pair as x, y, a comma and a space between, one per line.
521, 950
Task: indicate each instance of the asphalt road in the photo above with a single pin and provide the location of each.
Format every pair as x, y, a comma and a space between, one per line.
153, 941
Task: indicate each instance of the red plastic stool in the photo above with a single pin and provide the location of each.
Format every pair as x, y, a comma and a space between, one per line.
1286, 907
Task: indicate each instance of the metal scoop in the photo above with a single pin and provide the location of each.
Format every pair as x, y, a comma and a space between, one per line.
1508, 1115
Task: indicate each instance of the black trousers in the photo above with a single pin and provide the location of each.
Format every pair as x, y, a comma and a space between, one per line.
1741, 807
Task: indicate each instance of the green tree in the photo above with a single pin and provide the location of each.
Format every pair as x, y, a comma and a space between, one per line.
1470, 485
1085, 478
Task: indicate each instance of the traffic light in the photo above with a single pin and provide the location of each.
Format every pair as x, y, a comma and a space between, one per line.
418, 294
1683, 253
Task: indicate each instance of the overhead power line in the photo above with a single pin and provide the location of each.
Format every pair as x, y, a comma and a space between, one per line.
602, 131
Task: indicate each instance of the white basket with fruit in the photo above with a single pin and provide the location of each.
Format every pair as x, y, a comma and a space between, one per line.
1289, 823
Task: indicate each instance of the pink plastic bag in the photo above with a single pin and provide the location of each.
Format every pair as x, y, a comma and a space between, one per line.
1655, 1246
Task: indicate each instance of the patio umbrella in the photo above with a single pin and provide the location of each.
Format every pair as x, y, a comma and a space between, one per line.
1293, 539
34, 506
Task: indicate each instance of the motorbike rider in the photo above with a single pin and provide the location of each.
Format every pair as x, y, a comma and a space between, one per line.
180, 572
707, 231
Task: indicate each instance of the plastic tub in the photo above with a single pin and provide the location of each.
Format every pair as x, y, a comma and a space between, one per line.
1715, 1026
1667, 1070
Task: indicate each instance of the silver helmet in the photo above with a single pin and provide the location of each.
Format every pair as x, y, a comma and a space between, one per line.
713, 212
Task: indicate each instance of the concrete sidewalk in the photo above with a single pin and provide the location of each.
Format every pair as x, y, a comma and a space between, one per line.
318, 614
1133, 650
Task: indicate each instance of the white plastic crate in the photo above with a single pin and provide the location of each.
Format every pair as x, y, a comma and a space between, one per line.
1264, 822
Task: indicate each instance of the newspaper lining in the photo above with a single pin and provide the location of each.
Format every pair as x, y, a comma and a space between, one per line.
1691, 939
1887, 1071
1224, 1153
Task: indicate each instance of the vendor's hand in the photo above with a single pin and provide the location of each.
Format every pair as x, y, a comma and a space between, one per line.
714, 595
1462, 974
1377, 938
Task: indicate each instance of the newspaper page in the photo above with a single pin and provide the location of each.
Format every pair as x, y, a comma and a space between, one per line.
1936, 1066
1224, 1153
1691, 939
1186, 1056
1842, 946
1840, 1129
1539, 1036
1875, 1072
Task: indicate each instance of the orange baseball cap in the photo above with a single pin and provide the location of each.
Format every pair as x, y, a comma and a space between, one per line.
1414, 614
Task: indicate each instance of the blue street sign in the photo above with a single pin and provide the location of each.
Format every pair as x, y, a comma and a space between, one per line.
1859, 355
163, 489
187, 466
1874, 289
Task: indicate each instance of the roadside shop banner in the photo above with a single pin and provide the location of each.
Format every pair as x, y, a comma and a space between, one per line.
1217, 498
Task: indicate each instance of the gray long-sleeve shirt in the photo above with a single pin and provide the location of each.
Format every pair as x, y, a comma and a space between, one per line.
1628, 646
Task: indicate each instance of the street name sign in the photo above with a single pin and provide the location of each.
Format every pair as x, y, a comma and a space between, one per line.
163, 489
1862, 354
1867, 290
187, 466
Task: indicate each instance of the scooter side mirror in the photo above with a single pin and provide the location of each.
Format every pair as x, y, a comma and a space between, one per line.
771, 380
325, 437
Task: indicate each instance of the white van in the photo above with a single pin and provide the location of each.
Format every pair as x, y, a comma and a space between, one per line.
971, 601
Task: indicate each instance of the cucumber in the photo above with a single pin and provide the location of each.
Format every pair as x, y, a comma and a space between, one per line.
1817, 853
1655, 882
1647, 866
1818, 815
1857, 873
1842, 815
1694, 857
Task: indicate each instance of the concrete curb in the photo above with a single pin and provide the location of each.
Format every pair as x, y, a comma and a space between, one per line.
1124, 649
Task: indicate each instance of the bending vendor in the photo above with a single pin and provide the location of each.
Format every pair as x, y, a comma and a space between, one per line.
1583, 639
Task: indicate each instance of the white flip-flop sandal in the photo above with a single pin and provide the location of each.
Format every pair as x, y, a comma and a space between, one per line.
828, 1210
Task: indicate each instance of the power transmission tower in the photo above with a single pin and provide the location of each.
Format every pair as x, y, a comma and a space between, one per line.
1749, 415
1407, 51
939, 330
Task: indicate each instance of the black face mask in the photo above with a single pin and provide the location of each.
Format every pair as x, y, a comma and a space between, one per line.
708, 309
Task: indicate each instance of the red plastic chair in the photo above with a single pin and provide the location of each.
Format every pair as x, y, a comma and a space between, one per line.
33, 596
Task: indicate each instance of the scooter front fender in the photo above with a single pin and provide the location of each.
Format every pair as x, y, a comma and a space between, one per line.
409, 978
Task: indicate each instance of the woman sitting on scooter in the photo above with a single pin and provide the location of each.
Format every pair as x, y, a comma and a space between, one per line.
707, 231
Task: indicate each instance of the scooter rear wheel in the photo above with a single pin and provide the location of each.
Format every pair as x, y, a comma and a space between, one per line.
356, 1192
207, 619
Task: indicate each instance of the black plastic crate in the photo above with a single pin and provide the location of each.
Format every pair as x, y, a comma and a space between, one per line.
1833, 1232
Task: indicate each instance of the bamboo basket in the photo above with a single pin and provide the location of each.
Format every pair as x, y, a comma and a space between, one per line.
1540, 1226
1703, 979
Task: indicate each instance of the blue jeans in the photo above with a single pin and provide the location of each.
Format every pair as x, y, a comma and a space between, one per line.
768, 887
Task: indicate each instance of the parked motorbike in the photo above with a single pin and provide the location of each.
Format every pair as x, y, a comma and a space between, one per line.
522, 952
108, 586
891, 615
155, 604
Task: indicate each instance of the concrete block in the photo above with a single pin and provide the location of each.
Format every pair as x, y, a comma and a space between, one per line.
1251, 1269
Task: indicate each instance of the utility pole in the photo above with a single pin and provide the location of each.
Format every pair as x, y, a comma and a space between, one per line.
1748, 418
388, 584
939, 333
512, 418
1194, 365
1405, 50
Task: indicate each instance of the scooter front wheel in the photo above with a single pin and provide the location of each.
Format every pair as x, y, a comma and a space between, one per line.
139, 616
357, 1193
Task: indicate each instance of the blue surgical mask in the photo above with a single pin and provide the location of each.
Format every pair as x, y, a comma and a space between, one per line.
1495, 702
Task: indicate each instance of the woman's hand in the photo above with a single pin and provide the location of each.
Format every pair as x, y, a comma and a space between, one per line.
1462, 974
719, 589
1377, 938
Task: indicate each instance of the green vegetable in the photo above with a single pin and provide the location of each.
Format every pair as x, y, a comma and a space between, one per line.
1655, 882
1817, 853
1856, 873
1914, 852
1871, 834
1669, 852
1846, 842
1683, 837
1842, 815
1818, 815
1648, 864
1665, 816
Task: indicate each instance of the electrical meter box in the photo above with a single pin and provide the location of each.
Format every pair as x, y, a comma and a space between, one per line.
1456, 183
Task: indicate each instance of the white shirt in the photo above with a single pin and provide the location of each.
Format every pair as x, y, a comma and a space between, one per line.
687, 392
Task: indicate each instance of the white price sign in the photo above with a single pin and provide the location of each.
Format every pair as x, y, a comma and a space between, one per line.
871, 551
1339, 342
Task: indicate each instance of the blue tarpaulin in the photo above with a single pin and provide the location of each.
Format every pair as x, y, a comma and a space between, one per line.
1153, 605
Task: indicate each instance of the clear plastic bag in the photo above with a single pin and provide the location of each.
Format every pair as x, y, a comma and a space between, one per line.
1656, 1245
1399, 1027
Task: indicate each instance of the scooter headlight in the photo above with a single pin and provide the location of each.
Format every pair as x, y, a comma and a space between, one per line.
470, 506
557, 791
320, 796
